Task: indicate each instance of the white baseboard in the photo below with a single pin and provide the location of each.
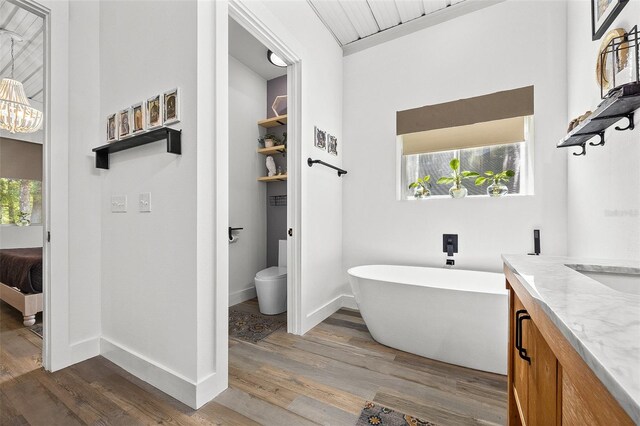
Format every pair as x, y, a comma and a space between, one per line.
349, 302
84, 350
328, 309
321, 314
242, 295
169, 382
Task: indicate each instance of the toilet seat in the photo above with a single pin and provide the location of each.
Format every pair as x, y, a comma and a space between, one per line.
273, 272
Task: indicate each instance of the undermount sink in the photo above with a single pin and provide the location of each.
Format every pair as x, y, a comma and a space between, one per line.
627, 280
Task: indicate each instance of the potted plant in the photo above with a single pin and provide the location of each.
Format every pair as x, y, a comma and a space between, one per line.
421, 187
497, 188
269, 140
457, 190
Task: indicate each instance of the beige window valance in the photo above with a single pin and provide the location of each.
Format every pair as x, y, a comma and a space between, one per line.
495, 119
20, 160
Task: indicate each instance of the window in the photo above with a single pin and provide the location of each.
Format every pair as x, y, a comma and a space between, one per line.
495, 158
20, 200
486, 133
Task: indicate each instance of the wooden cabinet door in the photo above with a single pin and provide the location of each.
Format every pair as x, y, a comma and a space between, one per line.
520, 366
543, 380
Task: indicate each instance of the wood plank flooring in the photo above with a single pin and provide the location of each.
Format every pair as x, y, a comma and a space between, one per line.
324, 377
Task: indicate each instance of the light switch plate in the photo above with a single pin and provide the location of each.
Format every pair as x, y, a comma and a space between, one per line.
144, 202
118, 204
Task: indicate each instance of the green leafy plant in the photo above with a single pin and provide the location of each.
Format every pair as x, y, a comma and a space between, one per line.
496, 178
457, 176
421, 186
276, 140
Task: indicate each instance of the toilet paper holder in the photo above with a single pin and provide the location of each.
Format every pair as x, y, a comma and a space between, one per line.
231, 232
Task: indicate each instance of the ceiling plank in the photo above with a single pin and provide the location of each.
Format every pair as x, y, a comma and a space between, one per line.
334, 17
361, 17
409, 9
385, 12
431, 6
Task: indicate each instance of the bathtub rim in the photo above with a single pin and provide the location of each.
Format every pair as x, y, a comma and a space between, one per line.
497, 292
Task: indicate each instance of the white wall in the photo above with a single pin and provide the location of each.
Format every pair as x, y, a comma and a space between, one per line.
506, 46
12, 236
247, 196
298, 26
149, 293
604, 185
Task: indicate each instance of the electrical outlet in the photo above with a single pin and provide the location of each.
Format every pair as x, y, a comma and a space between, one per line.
118, 204
144, 202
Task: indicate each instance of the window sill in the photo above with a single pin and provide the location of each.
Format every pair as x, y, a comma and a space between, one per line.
448, 197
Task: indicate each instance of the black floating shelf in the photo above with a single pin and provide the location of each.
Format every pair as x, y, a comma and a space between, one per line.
621, 104
173, 138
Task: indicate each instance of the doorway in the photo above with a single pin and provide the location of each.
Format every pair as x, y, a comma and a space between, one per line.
287, 163
23, 172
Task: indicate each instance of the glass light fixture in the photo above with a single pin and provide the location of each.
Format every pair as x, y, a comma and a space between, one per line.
16, 114
276, 60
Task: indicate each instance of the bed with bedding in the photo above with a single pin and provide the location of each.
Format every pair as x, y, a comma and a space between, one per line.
21, 281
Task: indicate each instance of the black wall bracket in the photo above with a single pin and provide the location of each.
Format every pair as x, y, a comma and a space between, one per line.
172, 136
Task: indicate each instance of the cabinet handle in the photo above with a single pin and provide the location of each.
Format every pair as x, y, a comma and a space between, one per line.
521, 315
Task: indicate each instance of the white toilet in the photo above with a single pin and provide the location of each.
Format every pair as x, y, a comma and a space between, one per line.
271, 284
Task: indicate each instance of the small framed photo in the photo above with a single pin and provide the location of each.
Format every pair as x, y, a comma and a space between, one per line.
320, 140
154, 112
137, 117
603, 13
124, 123
112, 127
171, 107
332, 144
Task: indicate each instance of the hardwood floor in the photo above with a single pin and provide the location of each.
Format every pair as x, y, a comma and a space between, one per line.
324, 377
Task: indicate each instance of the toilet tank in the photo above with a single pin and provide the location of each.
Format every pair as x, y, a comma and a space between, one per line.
282, 253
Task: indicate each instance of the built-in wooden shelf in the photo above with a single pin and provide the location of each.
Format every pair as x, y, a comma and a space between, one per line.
273, 122
172, 136
621, 104
273, 150
272, 178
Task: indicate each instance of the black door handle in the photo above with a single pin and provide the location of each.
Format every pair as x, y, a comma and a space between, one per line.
521, 315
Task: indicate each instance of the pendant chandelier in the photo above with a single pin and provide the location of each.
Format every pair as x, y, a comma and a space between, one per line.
16, 114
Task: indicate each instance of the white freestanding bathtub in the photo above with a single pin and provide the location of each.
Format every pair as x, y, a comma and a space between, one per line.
454, 316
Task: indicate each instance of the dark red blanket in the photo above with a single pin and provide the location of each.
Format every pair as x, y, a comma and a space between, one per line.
22, 268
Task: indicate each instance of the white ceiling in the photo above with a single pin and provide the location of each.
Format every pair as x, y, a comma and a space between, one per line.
248, 50
353, 20
29, 54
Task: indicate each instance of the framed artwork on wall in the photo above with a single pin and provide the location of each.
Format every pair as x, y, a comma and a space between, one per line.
112, 127
320, 139
603, 13
124, 122
332, 144
154, 112
171, 107
137, 117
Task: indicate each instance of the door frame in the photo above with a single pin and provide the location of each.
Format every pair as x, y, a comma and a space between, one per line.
45, 13
247, 19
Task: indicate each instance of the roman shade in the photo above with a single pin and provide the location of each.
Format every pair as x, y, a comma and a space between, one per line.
495, 119
20, 160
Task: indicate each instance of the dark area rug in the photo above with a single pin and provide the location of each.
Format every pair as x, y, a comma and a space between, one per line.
252, 327
373, 414
36, 329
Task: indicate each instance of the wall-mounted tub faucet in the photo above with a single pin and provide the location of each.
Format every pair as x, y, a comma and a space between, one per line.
450, 244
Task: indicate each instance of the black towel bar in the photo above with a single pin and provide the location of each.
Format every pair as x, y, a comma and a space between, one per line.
311, 162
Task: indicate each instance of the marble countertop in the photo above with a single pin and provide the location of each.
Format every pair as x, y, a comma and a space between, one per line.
602, 324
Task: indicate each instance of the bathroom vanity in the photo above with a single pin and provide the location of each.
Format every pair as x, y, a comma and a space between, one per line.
574, 341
